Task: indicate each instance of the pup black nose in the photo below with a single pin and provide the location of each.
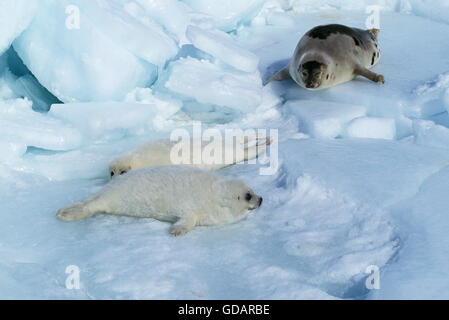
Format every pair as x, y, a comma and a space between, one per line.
260, 201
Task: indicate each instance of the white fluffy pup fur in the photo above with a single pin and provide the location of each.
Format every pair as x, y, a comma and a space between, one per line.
184, 195
157, 153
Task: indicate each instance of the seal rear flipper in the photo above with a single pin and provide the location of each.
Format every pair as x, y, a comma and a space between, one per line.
256, 149
76, 211
279, 76
375, 32
73, 212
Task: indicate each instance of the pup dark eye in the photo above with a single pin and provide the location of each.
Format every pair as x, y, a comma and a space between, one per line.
112, 174
248, 196
123, 172
304, 74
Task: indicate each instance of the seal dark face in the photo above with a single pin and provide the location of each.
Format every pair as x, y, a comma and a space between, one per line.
312, 74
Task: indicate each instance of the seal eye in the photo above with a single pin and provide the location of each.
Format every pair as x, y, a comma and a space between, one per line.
112, 174
248, 196
305, 74
123, 172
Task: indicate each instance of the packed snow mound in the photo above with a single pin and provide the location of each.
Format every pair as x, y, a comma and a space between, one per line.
331, 234
15, 16
372, 128
143, 37
423, 262
88, 162
220, 45
323, 119
80, 64
123, 118
429, 98
434, 85
430, 134
208, 83
21, 125
361, 168
173, 15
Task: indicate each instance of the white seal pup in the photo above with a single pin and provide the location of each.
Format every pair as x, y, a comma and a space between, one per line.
157, 153
332, 54
184, 195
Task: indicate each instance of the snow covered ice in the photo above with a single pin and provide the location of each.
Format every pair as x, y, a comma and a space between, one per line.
370, 127
229, 14
15, 16
220, 45
323, 119
55, 53
207, 83
363, 169
138, 118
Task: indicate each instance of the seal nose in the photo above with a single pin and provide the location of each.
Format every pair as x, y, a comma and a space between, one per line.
260, 201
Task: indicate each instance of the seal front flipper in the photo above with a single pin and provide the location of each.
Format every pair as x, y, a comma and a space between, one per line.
279, 76
183, 225
364, 72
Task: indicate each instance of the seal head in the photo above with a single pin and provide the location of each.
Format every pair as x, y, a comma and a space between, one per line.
312, 74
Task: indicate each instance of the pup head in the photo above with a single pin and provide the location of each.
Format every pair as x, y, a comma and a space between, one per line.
239, 198
313, 74
119, 167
